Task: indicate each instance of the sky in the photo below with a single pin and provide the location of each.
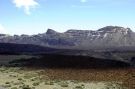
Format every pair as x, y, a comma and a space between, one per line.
36, 16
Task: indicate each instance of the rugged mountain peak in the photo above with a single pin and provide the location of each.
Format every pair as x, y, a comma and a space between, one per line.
77, 33
109, 36
114, 29
51, 31
74, 31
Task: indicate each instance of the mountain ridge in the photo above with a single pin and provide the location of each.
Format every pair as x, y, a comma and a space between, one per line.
109, 36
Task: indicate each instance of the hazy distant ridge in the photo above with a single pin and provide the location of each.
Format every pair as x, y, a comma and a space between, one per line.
110, 36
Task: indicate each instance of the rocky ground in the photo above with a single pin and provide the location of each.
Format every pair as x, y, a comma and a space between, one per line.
20, 78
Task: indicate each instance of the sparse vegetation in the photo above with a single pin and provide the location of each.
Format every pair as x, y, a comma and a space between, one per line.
33, 79
79, 87
26, 87
49, 83
14, 88
64, 84
7, 82
35, 83
21, 78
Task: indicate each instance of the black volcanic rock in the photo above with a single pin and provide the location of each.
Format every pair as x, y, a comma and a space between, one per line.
11, 48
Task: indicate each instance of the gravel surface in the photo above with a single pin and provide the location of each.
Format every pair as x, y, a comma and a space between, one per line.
2, 87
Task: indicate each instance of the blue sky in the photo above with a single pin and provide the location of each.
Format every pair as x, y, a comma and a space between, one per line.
36, 16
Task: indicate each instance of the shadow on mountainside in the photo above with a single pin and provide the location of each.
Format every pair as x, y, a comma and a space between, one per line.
65, 61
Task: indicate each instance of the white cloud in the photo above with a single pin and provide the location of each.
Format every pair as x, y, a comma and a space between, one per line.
83, 1
2, 29
26, 4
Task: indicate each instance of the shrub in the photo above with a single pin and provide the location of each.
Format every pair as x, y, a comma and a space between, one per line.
26, 87
79, 87
57, 81
49, 83
7, 85
7, 82
35, 84
17, 83
14, 88
19, 78
33, 88
64, 84
32, 79
27, 76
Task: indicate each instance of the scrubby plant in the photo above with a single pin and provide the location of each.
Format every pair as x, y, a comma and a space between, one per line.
35, 84
33, 88
12, 75
7, 85
26, 87
23, 80
55, 88
27, 76
20, 79
17, 83
14, 88
113, 86
57, 81
82, 85
79, 87
7, 82
49, 83
63, 84
2, 69
74, 81
32, 79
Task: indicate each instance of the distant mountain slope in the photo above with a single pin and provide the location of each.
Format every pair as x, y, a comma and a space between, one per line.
11, 48
69, 61
109, 55
110, 36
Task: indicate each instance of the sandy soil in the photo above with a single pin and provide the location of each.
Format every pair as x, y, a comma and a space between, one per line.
19, 78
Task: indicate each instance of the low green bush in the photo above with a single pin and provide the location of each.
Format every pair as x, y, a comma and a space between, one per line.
79, 87
7, 82
35, 84
26, 87
14, 88
63, 84
49, 83
20, 79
